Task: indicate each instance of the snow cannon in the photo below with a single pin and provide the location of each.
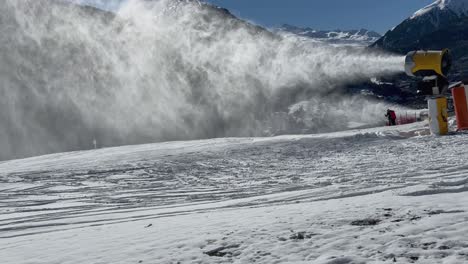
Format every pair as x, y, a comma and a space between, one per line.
433, 67
423, 63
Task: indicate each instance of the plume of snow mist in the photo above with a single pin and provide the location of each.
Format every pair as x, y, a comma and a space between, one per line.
156, 70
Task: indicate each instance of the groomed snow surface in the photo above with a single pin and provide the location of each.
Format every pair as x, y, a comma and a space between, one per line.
383, 195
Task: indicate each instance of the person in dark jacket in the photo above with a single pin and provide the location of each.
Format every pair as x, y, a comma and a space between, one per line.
391, 115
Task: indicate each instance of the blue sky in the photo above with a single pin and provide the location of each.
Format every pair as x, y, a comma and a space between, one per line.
378, 15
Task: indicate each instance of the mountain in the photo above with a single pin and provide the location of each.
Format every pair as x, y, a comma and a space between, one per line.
362, 36
443, 24
101, 4
459, 7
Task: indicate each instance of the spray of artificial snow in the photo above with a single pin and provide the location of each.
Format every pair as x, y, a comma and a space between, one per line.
159, 70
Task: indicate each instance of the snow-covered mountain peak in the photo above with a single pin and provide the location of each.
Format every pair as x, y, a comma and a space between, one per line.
460, 7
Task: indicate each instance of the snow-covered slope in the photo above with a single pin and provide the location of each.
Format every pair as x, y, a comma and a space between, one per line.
362, 36
459, 7
364, 196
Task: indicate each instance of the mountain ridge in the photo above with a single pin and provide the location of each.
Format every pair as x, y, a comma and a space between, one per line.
356, 36
460, 7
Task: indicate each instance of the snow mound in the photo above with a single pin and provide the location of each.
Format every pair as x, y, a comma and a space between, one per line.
460, 7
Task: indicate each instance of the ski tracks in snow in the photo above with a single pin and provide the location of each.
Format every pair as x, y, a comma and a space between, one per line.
118, 185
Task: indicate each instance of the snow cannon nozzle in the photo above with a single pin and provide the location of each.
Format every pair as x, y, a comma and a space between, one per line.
423, 63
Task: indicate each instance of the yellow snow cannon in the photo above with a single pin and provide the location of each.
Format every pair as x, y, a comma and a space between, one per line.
424, 63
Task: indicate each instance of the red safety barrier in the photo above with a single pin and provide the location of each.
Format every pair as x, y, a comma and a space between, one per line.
406, 118
460, 103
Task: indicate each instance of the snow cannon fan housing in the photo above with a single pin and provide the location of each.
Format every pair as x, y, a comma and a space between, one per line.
425, 63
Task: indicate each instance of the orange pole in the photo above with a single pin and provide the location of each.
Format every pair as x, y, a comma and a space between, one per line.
460, 102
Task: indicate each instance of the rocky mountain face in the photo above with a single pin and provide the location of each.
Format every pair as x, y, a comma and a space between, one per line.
357, 37
443, 24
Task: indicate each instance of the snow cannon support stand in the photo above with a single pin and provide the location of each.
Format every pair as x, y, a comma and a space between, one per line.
432, 67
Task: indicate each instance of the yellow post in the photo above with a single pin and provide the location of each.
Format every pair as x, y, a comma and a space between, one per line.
438, 116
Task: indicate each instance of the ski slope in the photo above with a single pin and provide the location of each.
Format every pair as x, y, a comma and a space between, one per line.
363, 196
